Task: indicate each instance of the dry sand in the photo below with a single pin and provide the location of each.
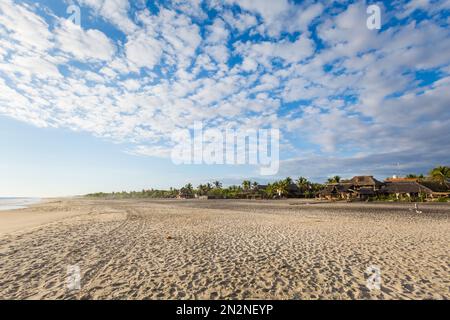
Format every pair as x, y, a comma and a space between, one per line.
211, 249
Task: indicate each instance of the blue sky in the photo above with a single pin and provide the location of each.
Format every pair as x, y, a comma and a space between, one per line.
92, 107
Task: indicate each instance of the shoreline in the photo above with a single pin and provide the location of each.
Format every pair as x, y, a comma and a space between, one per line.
15, 203
29, 217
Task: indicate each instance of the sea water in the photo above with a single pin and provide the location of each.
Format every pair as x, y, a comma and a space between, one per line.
16, 203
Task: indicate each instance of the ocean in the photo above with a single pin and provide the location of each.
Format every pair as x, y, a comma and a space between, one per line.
16, 203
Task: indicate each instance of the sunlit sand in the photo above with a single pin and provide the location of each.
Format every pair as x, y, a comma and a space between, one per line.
224, 249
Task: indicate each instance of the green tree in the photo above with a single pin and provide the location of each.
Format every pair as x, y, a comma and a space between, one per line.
217, 184
201, 189
440, 173
316, 187
303, 184
270, 190
281, 187
246, 185
335, 179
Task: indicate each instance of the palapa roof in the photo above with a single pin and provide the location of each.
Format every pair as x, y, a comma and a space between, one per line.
366, 191
365, 181
364, 186
436, 186
336, 188
405, 187
328, 190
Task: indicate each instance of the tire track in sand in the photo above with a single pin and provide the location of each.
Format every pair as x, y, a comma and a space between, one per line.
114, 246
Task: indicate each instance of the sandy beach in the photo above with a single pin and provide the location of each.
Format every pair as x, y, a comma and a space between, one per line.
219, 249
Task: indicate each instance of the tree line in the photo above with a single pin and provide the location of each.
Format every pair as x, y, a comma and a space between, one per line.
215, 189
252, 189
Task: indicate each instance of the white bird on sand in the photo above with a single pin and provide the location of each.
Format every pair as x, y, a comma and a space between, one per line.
416, 207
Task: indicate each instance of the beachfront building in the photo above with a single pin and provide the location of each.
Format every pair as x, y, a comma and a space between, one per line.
415, 187
365, 187
408, 189
437, 189
336, 191
359, 187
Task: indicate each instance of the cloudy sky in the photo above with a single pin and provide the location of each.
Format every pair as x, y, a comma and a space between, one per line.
91, 107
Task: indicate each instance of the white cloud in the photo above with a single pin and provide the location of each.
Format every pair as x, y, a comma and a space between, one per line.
81, 44
218, 32
281, 15
32, 66
249, 64
143, 50
114, 11
355, 93
270, 11
24, 26
131, 84
240, 21
291, 52
218, 53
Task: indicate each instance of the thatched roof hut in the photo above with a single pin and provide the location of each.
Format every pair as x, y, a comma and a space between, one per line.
405, 187
366, 181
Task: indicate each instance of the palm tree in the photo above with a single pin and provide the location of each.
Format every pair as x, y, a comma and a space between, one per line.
201, 190
217, 184
316, 187
288, 180
281, 187
246, 184
302, 183
440, 173
335, 179
255, 185
270, 190
187, 190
